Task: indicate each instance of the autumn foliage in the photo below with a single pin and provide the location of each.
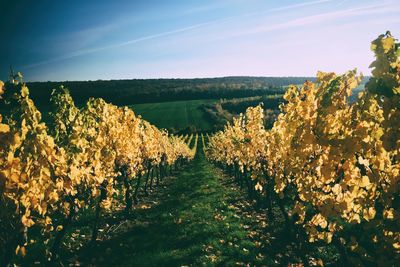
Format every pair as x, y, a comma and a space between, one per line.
86, 159
332, 166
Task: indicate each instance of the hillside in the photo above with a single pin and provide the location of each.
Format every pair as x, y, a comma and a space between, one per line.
127, 92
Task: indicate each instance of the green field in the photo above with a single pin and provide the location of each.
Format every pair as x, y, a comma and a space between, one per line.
177, 114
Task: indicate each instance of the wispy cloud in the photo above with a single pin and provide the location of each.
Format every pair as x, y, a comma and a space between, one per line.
315, 19
341, 3
106, 28
98, 49
300, 5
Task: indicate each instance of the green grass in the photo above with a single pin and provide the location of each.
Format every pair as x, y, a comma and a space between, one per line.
178, 114
195, 224
198, 217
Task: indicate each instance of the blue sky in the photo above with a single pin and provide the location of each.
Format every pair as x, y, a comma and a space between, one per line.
90, 40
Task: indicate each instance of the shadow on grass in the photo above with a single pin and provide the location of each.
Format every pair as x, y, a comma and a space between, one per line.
171, 233
201, 218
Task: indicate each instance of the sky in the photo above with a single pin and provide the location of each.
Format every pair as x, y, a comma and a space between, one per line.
90, 40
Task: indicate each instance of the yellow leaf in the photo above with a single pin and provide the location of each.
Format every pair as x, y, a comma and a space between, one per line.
27, 221
258, 187
364, 181
369, 213
20, 250
47, 220
320, 220
24, 91
4, 128
1, 88
387, 44
23, 251
388, 214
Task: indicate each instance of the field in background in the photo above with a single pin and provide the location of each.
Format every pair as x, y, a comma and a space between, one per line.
179, 115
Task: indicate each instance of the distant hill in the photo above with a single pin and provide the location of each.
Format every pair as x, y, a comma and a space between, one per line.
126, 92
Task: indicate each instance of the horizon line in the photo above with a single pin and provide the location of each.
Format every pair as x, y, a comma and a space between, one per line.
180, 78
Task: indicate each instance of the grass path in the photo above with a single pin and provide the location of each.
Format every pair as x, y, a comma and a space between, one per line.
196, 222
